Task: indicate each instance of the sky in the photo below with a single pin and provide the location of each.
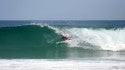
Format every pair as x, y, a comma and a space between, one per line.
62, 9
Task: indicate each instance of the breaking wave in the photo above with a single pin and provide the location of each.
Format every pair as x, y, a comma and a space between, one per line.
36, 39
103, 39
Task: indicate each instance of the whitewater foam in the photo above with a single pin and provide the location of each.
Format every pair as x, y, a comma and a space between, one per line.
39, 64
103, 39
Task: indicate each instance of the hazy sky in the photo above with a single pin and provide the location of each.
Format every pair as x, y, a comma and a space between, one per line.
62, 9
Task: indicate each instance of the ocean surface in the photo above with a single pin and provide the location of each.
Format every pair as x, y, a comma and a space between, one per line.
38, 45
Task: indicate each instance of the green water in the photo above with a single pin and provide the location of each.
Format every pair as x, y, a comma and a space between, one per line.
43, 41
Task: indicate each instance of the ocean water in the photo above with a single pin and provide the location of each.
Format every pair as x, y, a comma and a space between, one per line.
38, 45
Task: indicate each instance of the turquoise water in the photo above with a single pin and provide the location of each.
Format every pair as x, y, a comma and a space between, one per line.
39, 42
42, 39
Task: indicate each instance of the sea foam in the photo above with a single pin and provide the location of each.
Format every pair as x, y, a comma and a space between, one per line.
41, 64
104, 39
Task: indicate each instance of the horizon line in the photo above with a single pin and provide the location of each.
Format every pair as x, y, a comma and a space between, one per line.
60, 20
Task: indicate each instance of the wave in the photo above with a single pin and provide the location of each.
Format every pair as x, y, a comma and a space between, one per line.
87, 38
36, 39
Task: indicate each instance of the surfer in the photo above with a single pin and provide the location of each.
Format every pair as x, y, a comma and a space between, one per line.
64, 37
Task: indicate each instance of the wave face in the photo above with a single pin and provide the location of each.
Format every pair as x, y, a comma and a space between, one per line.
44, 41
28, 40
27, 35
